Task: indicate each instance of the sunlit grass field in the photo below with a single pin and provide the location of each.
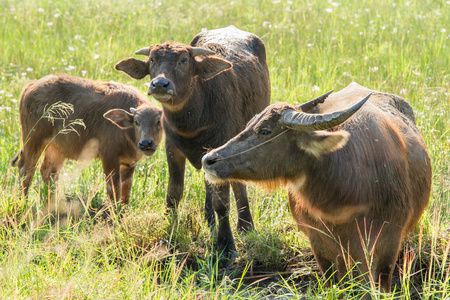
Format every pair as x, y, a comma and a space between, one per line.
57, 248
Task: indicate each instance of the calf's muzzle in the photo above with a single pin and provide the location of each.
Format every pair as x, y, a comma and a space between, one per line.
147, 146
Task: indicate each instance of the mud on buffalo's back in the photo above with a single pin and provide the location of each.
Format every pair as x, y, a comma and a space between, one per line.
231, 43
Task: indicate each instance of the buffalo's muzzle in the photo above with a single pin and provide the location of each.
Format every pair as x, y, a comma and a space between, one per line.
208, 160
147, 145
161, 87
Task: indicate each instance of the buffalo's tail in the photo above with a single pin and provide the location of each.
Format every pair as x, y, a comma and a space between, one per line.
15, 158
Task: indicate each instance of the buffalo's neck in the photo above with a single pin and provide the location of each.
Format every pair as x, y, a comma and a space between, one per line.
193, 129
186, 119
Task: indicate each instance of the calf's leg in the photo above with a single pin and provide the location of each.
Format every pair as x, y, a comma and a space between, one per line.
52, 164
27, 163
111, 169
126, 177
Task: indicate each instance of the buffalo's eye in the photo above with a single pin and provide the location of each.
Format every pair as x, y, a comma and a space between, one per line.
183, 60
158, 123
136, 122
264, 131
152, 60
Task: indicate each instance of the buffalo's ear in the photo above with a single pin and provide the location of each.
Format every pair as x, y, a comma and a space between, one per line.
318, 143
119, 117
135, 68
211, 66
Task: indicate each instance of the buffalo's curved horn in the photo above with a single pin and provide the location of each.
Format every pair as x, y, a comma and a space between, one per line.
201, 51
133, 110
311, 104
143, 51
302, 121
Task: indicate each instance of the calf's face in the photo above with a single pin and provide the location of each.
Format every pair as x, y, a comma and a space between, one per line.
146, 121
172, 68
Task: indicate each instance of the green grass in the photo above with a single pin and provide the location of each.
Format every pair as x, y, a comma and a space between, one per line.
65, 252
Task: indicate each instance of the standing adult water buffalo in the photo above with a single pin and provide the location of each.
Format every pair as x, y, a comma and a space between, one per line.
208, 90
356, 188
119, 138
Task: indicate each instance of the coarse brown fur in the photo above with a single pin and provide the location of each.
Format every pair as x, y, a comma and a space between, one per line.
355, 200
98, 138
207, 99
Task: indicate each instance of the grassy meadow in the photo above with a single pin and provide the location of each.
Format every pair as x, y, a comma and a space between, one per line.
60, 247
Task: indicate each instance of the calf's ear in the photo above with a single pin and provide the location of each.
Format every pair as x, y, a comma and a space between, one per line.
209, 67
119, 117
135, 68
318, 143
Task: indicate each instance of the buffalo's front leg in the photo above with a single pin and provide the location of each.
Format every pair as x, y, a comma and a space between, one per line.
245, 221
209, 209
111, 169
126, 177
221, 204
176, 162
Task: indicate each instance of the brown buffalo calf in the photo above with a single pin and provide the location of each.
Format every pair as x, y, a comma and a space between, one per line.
110, 132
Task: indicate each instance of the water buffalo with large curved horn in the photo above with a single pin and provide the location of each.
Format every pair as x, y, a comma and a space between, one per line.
356, 169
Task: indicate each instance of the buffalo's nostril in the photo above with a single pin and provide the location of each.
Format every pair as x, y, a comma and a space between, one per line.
208, 161
146, 144
160, 83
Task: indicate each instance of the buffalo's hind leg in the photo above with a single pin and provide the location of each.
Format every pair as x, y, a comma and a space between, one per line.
52, 164
27, 163
245, 220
